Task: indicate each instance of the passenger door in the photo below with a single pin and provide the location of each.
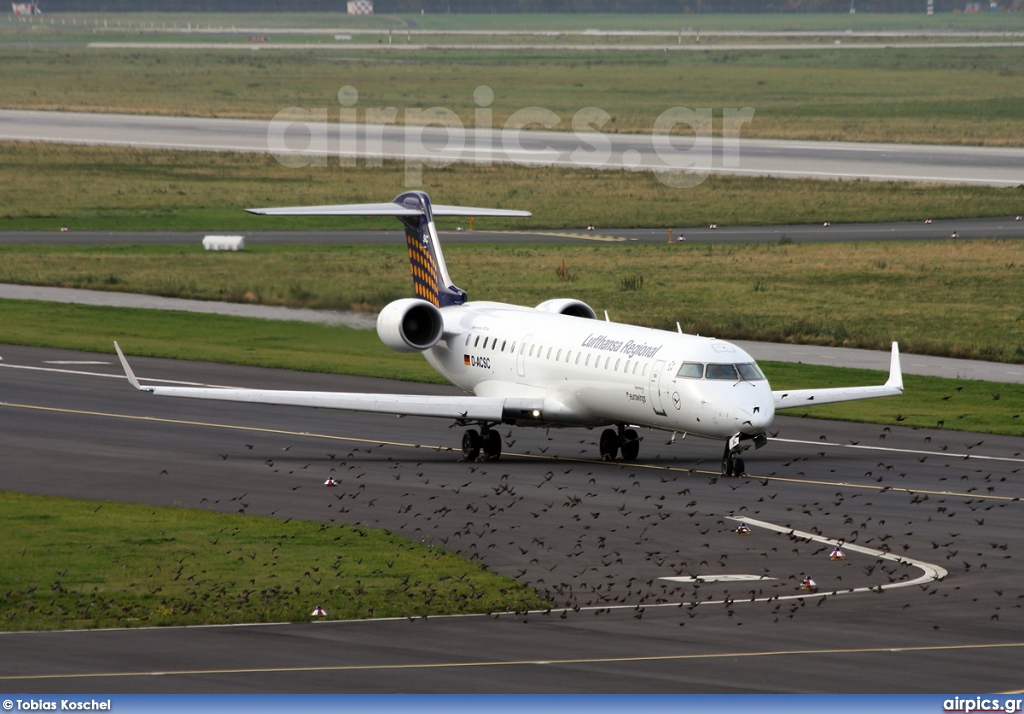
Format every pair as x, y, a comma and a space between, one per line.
521, 357
654, 387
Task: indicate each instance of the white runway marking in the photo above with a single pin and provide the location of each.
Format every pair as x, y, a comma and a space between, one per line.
725, 578
73, 361
920, 452
108, 376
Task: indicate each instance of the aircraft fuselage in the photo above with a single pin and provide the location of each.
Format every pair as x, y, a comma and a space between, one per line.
591, 372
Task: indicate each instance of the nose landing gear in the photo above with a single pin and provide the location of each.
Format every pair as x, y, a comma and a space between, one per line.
732, 464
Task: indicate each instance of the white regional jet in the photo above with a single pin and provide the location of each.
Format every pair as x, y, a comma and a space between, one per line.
555, 364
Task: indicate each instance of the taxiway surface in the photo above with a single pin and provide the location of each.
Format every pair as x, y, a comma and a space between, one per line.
1006, 227
597, 538
301, 140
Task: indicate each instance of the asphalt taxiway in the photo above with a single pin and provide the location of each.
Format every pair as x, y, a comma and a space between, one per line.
1002, 228
298, 140
933, 603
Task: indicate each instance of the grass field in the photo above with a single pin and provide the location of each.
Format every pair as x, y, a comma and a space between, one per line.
46, 186
928, 401
84, 564
955, 96
961, 299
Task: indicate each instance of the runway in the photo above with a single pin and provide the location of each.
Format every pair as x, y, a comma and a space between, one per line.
303, 140
597, 538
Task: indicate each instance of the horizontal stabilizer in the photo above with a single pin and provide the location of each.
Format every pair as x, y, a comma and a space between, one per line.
471, 211
351, 209
893, 387
384, 209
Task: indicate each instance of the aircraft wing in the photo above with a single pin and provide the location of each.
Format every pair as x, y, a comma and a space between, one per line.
454, 407
384, 209
809, 397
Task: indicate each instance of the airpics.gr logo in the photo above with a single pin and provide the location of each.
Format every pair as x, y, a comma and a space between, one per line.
679, 152
981, 704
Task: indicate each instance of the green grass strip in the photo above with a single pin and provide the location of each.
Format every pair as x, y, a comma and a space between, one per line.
971, 405
86, 564
927, 402
48, 186
945, 298
209, 338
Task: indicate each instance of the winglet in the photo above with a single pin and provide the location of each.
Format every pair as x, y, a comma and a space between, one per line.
895, 380
128, 370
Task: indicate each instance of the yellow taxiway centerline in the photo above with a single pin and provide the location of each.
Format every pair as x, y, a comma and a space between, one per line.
434, 447
384, 443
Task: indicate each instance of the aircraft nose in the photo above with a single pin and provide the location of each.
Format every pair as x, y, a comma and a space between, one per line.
760, 414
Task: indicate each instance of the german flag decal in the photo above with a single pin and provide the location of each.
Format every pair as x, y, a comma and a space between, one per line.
467, 359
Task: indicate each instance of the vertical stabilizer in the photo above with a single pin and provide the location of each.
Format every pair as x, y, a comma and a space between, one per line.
429, 272
413, 208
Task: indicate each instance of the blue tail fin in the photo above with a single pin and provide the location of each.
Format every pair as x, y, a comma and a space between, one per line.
429, 273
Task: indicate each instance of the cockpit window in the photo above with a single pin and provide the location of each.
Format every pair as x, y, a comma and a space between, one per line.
721, 371
750, 372
693, 370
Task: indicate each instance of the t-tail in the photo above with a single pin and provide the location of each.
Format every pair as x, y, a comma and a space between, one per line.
430, 278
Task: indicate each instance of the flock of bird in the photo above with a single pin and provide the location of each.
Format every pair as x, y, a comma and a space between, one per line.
595, 538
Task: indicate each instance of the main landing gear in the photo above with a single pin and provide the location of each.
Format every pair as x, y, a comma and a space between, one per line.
484, 444
612, 441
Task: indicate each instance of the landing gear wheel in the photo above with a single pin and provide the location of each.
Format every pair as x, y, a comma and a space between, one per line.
471, 444
732, 465
629, 442
609, 445
491, 445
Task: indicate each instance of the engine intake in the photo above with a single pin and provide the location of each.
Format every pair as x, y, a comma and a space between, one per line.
410, 325
568, 306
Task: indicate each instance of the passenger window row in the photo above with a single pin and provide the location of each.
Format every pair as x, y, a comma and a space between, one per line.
629, 366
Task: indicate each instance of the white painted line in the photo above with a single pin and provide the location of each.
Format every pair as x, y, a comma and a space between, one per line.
726, 578
930, 571
73, 361
947, 454
110, 376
